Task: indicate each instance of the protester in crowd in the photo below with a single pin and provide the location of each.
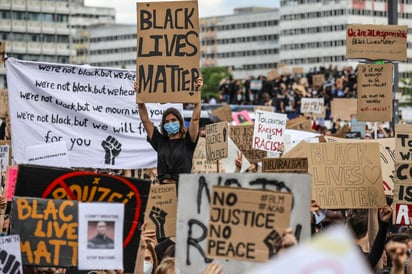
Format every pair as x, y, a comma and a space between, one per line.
357, 220
101, 240
397, 253
166, 266
146, 259
174, 143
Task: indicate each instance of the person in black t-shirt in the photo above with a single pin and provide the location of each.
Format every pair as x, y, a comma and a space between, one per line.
174, 143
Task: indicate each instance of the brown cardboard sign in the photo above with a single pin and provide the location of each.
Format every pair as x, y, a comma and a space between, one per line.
403, 154
168, 54
318, 80
242, 136
204, 166
236, 212
298, 70
346, 175
273, 74
375, 92
300, 122
298, 151
376, 42
343, 108
223, 113
217, 141
297, 165
387, 156
161, 208
2, 51
4, 103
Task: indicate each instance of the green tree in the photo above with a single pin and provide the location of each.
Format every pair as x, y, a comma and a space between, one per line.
211, 80
406, 88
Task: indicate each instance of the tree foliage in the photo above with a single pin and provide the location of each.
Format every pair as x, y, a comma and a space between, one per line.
406, 88
211, 80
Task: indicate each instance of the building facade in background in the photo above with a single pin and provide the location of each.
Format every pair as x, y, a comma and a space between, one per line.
43, 30
313, 32
250, 42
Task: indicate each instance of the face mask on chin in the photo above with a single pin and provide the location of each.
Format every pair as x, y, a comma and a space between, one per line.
148, 267
172, 127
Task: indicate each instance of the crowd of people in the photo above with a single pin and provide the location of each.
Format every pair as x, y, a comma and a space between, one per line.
388, 252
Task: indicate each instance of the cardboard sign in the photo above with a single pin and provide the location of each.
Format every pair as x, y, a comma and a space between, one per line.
168, 52
298, 165
161, 210
217, 141
273, 74
85, 186
346, 175
269, 130
331, 251
202, 166
318, 80
4, 103
298, 70
376, 42
2, 51
47, 229
387, 158
193, 213
10, 254
242, 136
375, 92
242, 118
223, 113
298, 151
236, 212
264, 108
300, 122
343, 108
312, 105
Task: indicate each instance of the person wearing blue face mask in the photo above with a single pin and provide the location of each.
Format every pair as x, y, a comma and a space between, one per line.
174, 143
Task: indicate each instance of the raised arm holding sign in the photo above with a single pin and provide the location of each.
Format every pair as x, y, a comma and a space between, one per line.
174, 143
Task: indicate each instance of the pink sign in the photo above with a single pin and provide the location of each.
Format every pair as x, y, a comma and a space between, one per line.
11, 176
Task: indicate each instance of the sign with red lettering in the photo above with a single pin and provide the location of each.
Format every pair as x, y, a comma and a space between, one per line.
236, 212
269, 130
168, 55
403, 213
375, 92
85, 186
47, 229
242, 136
346, 175
376, 42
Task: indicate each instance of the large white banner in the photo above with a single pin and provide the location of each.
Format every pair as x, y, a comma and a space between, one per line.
93, 110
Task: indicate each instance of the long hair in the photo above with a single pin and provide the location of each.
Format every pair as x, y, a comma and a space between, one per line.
154, 256
179, 117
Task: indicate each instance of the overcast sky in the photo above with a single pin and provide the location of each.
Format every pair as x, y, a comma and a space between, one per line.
126, 9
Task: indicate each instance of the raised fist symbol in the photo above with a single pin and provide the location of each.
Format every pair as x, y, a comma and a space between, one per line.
112, 147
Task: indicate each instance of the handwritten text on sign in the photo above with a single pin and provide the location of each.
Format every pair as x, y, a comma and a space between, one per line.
92, 109
376, 42
168, 51
217, 141
346, 175
269, 130
375, 92
236, 212
47, 229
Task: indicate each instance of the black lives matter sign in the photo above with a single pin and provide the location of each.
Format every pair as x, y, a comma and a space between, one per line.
168, 56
